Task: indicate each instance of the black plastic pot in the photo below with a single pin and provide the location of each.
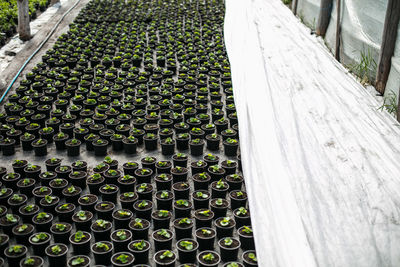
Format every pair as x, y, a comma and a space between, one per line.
246, 238
162, 242
187, 254
249, 258
229, 249
81, 245
121, 239
140, 228
205, 237
224, 227
183, 228
101, 256
140, 250
59, 259
122, 218
39, 246
166, 261
128, 259
203, 218
61, 232
214, 262
14, 258
22, 232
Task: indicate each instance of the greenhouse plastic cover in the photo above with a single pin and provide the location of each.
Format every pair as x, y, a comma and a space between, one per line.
361, 30
321, 162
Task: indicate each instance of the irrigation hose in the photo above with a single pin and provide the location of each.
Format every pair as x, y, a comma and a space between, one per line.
37, 50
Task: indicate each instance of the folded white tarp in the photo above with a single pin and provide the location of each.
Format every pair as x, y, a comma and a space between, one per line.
321, 163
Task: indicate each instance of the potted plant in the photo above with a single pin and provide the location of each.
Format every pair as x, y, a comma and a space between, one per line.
229, 248
46, 177
100, 147
205, 237
167, 146
219, 189
5, 193
72, 194
143, 175
249, 258
73, 147
187, 249
127, 199
162, 239
79, 261
87, 202
246, 238
28, 211
181, 190
7, 145
164, 200
57, 254
109, 192
49, 203
80, 242
122, 259
61, 232
203, 218
143, 209
79, 165
16, 201
224, 227
231, 146
198, 166
140, 250
101, 229
233, 264
22, 232
163, 181
102, 252
238, 199
15, 253
42, 221
40, 147
104, 210
82, 220
39, 242
145, 191
32, 261
179, 174
8, 221
213, 140
201, 199
208, 258
120, 239
182, 141
26, 141
126, 182
18, 166
161, 219
78, 178
57, 186
180, 159
164, 258
26, 186
182, 208
130, 167
65, 212
59, 140
196, 147
63, 171
94, 182
140, 228
183, 228
122, 218
235, 181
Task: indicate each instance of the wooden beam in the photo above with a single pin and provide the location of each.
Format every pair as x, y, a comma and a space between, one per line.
324, 17
338, 29
388, 44
294, 6
24, 29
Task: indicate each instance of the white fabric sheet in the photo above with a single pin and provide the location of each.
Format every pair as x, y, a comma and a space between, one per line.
321, 163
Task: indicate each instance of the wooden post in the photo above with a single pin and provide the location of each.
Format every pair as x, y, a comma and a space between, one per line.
24, 29
294, 6
324, 17
337, 44
388, 44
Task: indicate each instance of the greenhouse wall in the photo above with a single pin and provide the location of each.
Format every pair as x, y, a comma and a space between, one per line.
362, 24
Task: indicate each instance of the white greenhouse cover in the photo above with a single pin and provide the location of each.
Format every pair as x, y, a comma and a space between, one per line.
321, 163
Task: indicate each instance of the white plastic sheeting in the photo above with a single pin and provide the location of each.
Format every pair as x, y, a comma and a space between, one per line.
321, 163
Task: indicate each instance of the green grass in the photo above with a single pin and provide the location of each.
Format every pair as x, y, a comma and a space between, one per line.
363, 68
390, 103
